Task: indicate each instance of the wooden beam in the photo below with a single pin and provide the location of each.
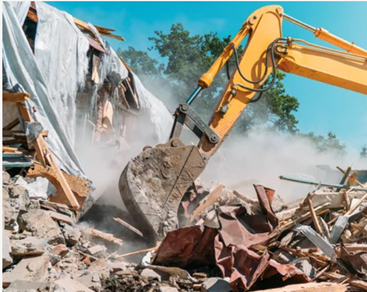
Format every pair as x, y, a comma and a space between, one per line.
11, 149
40, 144
314, 217
102, 31
310, 287
64, 184
15, 97
12, 124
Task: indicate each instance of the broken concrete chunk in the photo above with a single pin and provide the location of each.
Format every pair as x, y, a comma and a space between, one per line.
117, 266
96, 249
7, 259
167, 289
90, 280
6, 177
216, 285
60, 217
40, 224
29, 246
101, 267
28, 286
30, 269
8, 219
71, 234
306, 267
17, 191
69, 285
60, 250
150, 274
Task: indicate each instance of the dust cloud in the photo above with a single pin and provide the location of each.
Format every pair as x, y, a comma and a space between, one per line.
262, 156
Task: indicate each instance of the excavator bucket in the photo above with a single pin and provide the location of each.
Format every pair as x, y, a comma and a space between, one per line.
153, 183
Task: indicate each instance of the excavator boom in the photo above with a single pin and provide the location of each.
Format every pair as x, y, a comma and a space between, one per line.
153, 183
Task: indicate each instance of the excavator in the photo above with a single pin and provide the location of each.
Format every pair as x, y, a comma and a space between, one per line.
153, 183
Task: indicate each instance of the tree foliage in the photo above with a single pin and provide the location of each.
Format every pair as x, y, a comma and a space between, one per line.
331, 142
364, 152
185, 57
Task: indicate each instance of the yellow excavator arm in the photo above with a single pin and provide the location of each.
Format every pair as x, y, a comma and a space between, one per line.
267, 50
153, 183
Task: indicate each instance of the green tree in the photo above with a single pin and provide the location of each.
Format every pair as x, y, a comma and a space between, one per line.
364, 152
186, 57
330, 142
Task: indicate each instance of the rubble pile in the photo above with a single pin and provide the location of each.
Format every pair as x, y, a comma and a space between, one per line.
227, 242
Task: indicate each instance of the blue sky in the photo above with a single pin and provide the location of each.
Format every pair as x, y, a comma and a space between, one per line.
322, 108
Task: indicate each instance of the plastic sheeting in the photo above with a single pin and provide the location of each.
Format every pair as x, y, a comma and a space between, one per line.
112, 69
61, 54
56, 72
158, 113
24, 75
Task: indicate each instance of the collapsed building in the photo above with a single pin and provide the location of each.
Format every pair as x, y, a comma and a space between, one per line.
64, 90
67, 95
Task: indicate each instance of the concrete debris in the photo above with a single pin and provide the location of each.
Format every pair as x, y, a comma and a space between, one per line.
7, 259
96, 249
69, 285
28, 269
29, 246
71, 234
28, 286
236, 243
40, 224
216, 285
151, 274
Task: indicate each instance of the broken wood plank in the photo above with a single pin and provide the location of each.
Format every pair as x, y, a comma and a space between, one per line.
102, 31
314, 216
137, 252
11, 125
355, 247
208, 201
352, 209
360, 284
60, 217
11, 149
310, 287
319, 210
347, 172
96, 249
105, 236
40, 144
352, 179
64, 184
15, 97
127, 225
346, 199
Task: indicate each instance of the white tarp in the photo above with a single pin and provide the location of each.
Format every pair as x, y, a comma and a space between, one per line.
24, 75
55, 73
156, 110
61, 54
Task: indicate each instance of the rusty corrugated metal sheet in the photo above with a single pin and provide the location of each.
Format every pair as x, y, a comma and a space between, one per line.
228, 247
